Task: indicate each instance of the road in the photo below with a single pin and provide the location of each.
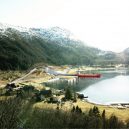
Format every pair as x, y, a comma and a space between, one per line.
22, 78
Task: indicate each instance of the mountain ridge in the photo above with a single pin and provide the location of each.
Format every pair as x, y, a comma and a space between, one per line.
23, 47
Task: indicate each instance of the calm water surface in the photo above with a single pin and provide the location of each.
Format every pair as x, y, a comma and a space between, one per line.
107, 91
113, 87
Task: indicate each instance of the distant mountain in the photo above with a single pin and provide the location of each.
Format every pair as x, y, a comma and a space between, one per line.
20, 48
126, 51
126, 55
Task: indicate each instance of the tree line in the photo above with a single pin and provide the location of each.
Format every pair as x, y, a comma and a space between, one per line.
17, 113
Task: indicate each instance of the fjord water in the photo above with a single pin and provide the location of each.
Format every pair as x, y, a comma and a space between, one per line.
112, 87
111, 90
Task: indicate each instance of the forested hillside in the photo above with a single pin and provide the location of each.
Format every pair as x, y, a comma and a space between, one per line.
20, 48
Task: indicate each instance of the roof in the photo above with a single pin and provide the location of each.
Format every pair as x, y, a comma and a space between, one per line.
45, 92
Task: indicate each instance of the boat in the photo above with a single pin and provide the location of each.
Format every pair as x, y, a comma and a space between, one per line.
88, 75
83, 75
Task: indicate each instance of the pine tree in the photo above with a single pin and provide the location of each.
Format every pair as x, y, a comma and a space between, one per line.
68, 93
77, 109
96, 111
73, 109
113, 122
91, 112
103, 119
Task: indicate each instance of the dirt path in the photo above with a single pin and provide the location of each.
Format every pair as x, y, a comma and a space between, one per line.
19, 80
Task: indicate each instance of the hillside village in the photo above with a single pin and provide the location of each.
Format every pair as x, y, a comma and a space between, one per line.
32, 86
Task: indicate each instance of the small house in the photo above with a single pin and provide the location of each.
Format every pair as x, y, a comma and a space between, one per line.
10, 86
46, 93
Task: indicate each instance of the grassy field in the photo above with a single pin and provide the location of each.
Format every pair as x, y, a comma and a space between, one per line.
122, 114
8, 76
36, 78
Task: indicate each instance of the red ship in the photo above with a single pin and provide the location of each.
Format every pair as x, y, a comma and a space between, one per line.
83, 75
88, 75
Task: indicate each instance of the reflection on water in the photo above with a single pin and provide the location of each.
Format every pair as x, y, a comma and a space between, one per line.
80, 83
113, 86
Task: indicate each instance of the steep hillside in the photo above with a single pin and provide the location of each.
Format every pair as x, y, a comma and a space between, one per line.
22, 47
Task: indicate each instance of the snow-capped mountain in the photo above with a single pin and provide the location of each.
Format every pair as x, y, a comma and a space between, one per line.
5, 27
50, 45
55, 32
57, 35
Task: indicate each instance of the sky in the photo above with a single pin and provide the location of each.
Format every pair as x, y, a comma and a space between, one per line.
99, 23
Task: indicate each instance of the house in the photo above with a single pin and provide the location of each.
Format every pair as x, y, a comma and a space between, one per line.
54, 100
10, 86
46, 93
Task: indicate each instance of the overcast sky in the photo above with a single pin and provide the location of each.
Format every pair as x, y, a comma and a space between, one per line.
100, 23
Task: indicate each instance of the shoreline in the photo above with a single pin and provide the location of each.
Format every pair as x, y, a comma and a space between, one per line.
40, 76
114, 104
